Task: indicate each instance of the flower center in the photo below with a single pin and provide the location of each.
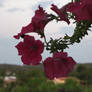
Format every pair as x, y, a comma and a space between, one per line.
34, 47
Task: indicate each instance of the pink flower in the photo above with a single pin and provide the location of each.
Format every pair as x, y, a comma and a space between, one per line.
30, 50
82, 10
60, 65
61, 13
39, 20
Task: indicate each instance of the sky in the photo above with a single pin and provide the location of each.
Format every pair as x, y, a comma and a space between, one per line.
14, 14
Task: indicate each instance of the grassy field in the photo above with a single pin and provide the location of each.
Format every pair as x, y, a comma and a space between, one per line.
32, 79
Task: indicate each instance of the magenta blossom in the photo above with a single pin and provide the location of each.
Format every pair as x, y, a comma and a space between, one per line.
30, 50
39, 20
59, 65
82, 10
61, 13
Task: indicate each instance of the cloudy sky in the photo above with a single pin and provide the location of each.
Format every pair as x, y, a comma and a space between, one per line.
17, 13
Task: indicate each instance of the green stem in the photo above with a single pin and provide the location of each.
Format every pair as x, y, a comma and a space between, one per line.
45, 39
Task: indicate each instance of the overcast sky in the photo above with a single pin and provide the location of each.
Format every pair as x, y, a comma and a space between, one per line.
17, 13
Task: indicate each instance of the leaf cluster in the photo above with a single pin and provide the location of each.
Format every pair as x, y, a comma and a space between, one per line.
81, 29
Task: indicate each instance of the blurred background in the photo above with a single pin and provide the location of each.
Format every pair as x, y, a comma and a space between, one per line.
14, 14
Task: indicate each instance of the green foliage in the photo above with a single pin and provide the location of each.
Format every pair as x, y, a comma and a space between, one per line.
1, 81
19, 88
34, 80
80, 31
2, 72
8, 88
83, 73
39, 85
62, 43
71, 86
57, 45
89, 89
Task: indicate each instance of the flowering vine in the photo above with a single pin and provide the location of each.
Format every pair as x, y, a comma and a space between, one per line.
60, 64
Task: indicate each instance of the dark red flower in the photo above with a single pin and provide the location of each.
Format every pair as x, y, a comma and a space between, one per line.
30, 50
82, 10
39, 20
70, 63
19, 35
61, 13
59, 65
48, 67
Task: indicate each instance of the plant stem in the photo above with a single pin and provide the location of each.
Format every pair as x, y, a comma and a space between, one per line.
45, 39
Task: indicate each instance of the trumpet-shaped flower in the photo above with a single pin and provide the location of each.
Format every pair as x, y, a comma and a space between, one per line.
39, 20
61, 13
